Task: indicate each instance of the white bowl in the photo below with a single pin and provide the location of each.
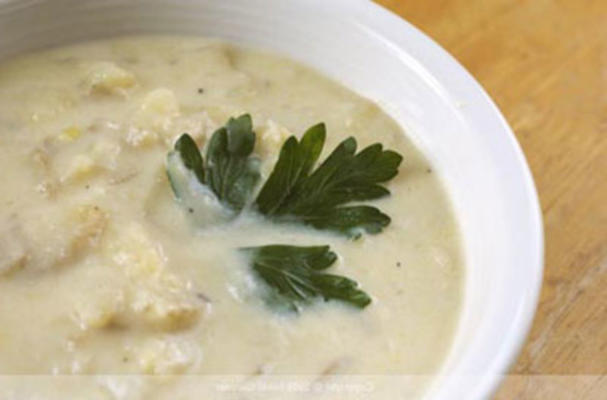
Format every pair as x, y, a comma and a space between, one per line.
443, 109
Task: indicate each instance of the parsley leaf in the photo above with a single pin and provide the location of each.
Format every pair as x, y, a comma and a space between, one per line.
230, 172
190, 155
295, 193
295, 276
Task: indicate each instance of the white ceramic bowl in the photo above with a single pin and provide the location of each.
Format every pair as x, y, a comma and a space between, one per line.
444, 110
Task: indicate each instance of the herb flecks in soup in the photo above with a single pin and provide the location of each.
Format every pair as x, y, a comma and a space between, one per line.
109, 267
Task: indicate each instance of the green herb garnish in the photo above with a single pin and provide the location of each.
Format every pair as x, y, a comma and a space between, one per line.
230, 172
295, 193
186, 147
295, 276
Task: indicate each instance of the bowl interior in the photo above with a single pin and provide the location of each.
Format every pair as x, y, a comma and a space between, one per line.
444, 111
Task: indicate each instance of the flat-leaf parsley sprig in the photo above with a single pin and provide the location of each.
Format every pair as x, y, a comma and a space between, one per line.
295, 276
297, 191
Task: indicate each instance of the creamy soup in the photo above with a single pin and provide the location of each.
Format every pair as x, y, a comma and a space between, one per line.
103, 273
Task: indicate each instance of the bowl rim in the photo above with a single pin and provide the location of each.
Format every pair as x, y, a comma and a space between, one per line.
509, 351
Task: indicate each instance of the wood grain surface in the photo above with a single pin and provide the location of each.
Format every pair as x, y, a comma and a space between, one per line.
544, 62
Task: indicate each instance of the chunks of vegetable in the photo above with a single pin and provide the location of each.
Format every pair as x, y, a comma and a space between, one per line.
108, 78
53, 235
143, 291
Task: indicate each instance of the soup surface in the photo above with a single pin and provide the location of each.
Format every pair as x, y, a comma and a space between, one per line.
101, 272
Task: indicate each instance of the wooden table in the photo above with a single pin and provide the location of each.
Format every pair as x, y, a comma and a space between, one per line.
545, 64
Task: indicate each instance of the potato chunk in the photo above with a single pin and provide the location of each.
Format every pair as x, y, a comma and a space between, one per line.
271, 137
82, 166
153, 295
13, 254
87, 161
108, 78
70, 134
100, 308
153, 117
138, 290
166, 356
52, 236
159, 119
